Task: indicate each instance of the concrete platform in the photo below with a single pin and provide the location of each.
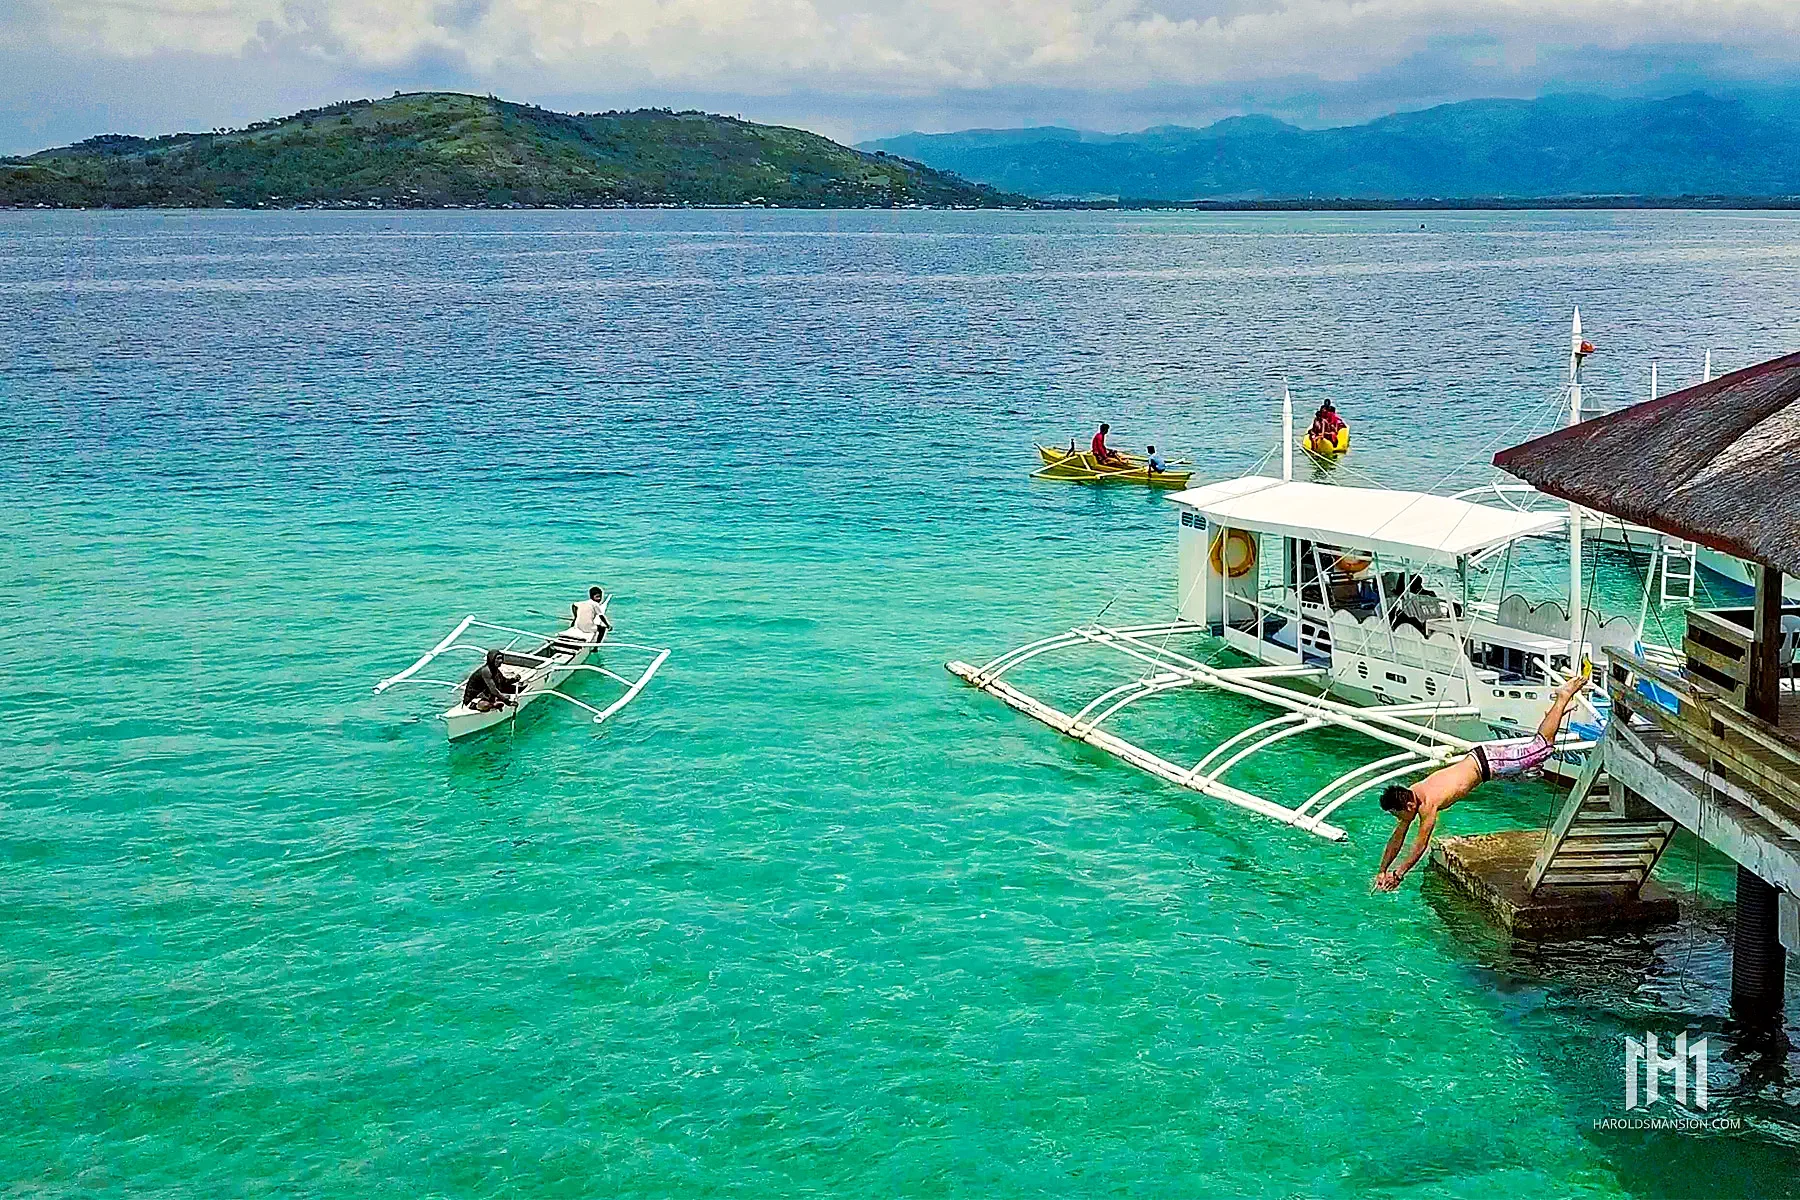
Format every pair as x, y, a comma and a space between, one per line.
1490, 870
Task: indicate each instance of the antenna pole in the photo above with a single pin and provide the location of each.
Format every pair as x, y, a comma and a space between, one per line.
1287, 432
1706, 376
1575, 599
1653, 379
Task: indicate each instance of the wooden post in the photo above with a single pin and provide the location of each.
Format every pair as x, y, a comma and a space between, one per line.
1758, 959
1764, 693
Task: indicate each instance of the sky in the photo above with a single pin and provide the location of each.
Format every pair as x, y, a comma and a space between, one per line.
859, 69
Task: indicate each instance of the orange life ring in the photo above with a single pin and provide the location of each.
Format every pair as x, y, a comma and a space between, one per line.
1236, 558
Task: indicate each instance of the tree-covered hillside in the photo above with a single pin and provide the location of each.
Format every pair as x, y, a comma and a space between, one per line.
443, 149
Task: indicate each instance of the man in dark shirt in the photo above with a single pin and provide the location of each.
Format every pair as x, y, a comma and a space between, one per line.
489, 687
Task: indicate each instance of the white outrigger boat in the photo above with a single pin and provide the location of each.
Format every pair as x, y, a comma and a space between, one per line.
540, 671
1353, 608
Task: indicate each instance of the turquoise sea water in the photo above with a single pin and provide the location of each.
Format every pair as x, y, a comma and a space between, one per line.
810, 917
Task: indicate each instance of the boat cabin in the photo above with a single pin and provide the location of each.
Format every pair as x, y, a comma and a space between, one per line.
1372, 587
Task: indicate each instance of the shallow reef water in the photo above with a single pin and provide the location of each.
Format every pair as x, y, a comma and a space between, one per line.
810, 917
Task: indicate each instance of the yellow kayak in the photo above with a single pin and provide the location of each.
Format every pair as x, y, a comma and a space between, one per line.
1081, 466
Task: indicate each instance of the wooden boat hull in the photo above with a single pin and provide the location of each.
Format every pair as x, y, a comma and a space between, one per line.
462, 721
1082, 467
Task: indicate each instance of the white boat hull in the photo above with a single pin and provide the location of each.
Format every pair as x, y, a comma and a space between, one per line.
462, 721
1739, 576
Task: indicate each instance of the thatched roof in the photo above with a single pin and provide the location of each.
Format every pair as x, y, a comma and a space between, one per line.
1718, 463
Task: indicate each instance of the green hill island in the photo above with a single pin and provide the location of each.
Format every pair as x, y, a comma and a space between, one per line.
442, 150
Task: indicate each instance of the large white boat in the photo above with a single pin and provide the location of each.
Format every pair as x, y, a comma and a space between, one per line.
1352, 608
1349, 608
1371, 587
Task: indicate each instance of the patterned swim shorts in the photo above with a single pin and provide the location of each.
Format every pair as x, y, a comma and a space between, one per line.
1511, 759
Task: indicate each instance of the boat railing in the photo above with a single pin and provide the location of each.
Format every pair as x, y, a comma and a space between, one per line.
1516, 496
1265, 602
1376, 637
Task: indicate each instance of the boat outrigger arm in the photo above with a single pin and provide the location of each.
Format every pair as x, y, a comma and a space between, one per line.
451, 643
1416, 745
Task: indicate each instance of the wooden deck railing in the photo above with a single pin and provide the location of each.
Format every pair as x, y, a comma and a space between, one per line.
1718, 651
1710, 722
1717, 646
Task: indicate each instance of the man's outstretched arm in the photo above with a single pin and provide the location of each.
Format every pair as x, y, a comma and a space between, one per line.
1395, 840
1421, 843
1386, 880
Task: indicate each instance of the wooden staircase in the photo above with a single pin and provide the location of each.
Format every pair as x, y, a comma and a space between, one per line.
1602, 837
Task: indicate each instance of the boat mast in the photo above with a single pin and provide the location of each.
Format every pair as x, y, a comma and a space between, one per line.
1650, 571
1577, 351
1287, 432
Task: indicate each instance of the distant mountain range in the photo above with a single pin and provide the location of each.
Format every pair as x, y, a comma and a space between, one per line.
440, 149
1558, 146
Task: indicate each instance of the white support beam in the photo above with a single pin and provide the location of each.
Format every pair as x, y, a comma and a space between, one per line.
1404, 727
1306, 725
1353, 791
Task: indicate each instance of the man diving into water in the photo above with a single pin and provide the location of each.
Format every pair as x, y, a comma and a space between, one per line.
1430, 796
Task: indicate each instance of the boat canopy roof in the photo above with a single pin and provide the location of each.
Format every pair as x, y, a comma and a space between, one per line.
1416, 526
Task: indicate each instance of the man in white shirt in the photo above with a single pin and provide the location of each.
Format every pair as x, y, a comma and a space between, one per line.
587, 618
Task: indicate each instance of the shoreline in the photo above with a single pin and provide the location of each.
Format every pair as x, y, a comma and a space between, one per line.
1326, 205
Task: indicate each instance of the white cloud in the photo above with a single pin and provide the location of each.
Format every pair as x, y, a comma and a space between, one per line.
863, 68
901, 46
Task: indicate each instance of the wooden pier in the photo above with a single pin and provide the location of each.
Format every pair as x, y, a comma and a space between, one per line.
1712, 747
1491, 869
1684, 749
